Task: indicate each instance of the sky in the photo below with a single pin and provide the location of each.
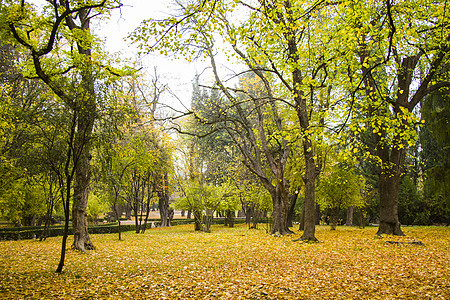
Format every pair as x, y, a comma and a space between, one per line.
177, 73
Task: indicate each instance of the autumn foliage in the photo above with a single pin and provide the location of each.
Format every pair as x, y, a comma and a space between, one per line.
178, 263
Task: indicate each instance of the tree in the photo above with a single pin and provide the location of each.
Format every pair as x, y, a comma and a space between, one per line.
65, 23
398, 58
339, 189
276, 43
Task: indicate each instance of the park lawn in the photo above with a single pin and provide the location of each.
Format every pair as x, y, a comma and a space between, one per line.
178, 263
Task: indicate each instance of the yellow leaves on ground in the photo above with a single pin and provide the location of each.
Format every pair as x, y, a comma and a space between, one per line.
237, 263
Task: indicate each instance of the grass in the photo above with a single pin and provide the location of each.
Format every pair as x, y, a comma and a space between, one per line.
238, 263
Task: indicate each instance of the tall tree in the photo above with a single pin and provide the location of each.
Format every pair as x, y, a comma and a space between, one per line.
398, 56
285, 45
64, 27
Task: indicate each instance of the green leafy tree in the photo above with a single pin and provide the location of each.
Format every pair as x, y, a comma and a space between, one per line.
284, 44
338, 190
60, 46
398, 56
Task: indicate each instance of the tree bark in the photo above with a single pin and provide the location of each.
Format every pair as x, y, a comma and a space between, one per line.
280, 200
310, 188
392, 161
310, 166
85, 105
229, 217
82, 240
349, 221
389, 191
291, 212
301, 226
163, 196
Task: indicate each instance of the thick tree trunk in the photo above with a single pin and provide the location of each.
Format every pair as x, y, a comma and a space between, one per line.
280, 212
280, 200
310, 188
389, 190
198, 220
81, 241
291, 212
163, 196
349, 221
389, 185
164, 209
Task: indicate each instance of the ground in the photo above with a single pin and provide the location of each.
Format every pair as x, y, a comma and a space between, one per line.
178, 263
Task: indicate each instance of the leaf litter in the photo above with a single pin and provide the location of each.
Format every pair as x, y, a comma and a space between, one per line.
177, 263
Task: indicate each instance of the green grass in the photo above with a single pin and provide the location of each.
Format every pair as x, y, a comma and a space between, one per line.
238, 263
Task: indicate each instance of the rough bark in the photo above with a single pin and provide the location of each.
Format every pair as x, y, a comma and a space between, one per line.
389, 180
280, 201
163, 196
82, 240
291, 212
198, 220
389, 190
309, 178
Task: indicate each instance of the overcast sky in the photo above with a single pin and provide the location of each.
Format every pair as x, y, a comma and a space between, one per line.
176, 72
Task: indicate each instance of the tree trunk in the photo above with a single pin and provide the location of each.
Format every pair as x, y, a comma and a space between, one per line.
349, 221
163, 196
280, 200
48, 217
198, 220
229, 218
362, 221
136, 218
389, 185
389, 190
65, 185
82, 159
334, 217
147, 210
291, 212
86, 108
280, 212
310, 186
301, 227
317, 217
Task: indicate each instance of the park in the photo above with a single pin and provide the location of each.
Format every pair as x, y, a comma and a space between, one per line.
237, 149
